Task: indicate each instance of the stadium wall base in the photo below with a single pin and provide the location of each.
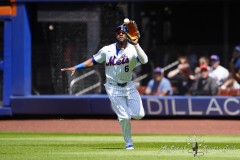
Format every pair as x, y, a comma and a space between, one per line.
171, 106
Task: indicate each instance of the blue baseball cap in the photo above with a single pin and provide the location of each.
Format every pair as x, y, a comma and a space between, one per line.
237, 48
214, 57
121, 28
158, 70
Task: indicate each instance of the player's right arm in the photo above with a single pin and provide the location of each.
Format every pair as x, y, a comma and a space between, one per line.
97, 58
85, 64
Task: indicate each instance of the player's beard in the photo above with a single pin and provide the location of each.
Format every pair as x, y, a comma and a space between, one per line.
122, 42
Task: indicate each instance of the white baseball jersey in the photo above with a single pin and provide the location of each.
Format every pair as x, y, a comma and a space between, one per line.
118, 63
126, 101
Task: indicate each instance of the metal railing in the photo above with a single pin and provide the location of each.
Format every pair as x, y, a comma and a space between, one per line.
98, 84
171, 65
74, 81
142, 77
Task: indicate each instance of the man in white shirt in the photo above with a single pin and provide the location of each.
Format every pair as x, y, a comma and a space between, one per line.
218, 72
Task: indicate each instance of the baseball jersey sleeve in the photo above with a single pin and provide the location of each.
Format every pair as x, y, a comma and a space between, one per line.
142, 57
100, 56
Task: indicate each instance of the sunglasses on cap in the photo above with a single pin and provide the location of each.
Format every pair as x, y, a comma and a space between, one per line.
121, 29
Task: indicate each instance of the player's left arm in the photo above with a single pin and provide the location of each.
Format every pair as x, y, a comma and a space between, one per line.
143, 58
133, 35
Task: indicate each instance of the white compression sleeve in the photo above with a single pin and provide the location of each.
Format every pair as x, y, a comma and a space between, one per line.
141, 54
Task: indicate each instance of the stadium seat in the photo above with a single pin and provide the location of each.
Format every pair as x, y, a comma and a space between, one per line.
234, 92
229, 92
223, 92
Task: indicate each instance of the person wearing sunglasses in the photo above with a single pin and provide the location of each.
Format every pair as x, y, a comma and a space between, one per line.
120, 59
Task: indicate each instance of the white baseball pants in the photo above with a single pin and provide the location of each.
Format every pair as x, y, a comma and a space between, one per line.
127, 104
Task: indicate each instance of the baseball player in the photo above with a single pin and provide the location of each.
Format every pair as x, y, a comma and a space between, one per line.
120, 58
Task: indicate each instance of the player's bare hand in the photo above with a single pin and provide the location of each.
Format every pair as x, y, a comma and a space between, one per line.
134, 41
72, 69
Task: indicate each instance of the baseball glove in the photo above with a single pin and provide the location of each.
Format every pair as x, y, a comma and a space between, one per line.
132, 31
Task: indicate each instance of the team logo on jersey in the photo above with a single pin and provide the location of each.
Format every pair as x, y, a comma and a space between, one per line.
114, 61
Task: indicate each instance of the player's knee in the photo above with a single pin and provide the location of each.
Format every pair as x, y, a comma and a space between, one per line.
126, 118
139, 116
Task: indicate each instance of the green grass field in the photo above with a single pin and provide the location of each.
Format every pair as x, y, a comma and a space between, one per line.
49, 146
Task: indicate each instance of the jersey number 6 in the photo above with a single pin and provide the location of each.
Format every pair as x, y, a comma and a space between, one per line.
126, 68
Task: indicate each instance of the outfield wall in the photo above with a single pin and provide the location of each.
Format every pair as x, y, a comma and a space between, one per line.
23, 77
100, 105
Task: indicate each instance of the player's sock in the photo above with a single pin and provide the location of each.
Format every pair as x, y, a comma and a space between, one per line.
126, 131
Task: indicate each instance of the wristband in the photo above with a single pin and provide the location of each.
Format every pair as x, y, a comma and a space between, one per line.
80, 66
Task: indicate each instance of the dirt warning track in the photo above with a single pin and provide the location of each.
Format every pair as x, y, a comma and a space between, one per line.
112, 126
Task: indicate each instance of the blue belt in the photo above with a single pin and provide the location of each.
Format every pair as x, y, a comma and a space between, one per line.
122, 84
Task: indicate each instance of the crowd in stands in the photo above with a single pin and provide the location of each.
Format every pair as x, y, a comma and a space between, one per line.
208, 78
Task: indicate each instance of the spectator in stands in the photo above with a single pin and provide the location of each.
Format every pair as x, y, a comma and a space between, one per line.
203, 60
205, 85
180, 77
218, 72
159, 85
235, 67
235, 57
237, 72
233, 82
